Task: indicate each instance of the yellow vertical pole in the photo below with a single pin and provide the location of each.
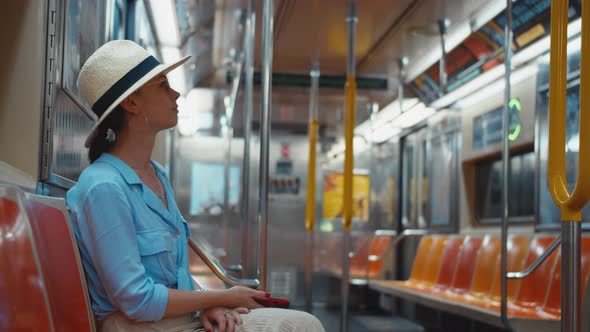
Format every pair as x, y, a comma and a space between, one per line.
311, 184
349, 118
311, 176
570, 204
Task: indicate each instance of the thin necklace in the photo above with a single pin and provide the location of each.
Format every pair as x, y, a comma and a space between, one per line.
159, 190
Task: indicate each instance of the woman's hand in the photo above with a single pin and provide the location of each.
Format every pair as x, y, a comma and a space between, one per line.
245, 297
226, 319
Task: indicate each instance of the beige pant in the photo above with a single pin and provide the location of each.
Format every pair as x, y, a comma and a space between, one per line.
258, 320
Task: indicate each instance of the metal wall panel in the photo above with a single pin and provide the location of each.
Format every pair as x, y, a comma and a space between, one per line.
525, 92
384, 186
442, 161
286, 233
69, 130
414, 179
78, 30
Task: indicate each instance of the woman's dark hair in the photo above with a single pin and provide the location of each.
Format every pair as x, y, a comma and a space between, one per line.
99, 144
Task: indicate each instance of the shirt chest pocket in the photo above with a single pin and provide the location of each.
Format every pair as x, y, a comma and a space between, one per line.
158, 252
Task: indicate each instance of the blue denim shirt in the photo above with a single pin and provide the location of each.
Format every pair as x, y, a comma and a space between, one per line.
132, 247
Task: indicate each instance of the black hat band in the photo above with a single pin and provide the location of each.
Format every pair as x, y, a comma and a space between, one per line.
122, 85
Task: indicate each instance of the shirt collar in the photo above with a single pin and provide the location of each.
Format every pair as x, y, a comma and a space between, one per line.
131, 177
128, 174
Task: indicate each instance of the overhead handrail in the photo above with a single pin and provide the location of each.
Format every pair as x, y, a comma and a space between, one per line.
529, 270
570, 204
215, 266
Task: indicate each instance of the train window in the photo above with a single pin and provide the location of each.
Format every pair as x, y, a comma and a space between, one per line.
423, 185
489, 188
384, 211
442, 180
487, 128
414, 180
139, 27
409, 187
83, 36
207, 188
115, 24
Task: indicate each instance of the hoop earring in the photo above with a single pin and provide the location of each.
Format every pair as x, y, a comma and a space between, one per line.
146, 120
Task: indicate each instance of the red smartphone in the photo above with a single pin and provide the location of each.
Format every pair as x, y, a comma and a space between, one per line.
272, 302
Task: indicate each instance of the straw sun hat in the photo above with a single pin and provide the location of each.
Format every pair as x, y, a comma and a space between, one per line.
116, 70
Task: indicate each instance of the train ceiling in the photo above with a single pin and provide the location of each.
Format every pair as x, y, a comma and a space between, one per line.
316, 29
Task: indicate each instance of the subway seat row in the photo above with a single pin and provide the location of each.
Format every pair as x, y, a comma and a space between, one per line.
366, 257
41, 277
461, 274
42, 283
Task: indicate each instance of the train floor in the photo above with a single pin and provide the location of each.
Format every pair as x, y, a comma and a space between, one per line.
364, 321
377, 320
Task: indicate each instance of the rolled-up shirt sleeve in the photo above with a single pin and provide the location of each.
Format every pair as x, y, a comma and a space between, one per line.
112, 244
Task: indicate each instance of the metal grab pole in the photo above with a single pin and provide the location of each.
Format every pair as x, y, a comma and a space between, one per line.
350, 104
402, 63
229, 135
570, 204
230, 110
506, 162
443, 25
311, 183
248, 97
267, 49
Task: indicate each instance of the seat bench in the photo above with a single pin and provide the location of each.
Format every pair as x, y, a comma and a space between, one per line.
461, 275
366, 257
41, 274
41, 263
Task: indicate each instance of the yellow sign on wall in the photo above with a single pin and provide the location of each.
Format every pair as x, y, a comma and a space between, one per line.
333, 191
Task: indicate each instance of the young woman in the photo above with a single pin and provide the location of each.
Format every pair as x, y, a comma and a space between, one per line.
132, 238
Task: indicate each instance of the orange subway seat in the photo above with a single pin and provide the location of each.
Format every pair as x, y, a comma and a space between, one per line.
518, 246
450, 255
60, 263
533, 289
432, 265
466, 265
379, 246
358, 262
484, 291
552, 307
23, 303
419, 266
484, 270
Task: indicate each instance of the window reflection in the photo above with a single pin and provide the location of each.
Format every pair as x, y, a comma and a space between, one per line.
522, 188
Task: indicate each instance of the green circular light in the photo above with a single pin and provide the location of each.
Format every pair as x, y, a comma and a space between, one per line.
514, 104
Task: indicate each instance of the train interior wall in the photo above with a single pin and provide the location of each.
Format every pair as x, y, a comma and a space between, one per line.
22, 71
